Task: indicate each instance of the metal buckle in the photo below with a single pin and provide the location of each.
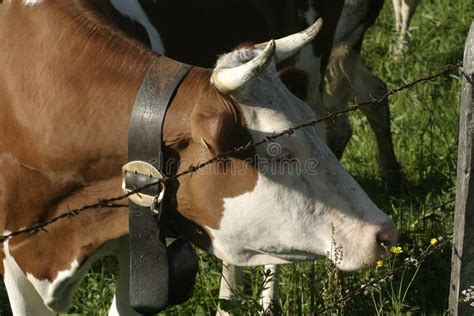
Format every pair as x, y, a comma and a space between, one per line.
146, 169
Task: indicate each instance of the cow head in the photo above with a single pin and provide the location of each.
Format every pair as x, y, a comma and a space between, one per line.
287, 200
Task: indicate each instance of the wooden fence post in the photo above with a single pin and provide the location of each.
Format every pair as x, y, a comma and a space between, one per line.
462, 264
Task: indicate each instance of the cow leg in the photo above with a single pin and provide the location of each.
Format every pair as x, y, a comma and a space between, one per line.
336, 93
270, 292
24, 299
407, 11
231, 279
397, 7
365, 87
404, 10
348, 77
338, 134
121, 302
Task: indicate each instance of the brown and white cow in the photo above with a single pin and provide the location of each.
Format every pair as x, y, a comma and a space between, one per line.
68, 82
347, 77
163, 25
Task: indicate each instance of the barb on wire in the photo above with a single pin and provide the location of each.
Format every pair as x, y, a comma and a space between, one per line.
70, 213
109, 202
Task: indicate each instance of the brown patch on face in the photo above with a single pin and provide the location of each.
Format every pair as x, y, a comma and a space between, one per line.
200, 114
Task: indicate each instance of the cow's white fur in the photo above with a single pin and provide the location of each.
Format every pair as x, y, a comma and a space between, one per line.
305, 206
339, 76
133, 10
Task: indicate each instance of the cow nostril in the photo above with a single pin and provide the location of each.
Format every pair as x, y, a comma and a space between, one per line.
387, 244
387, 236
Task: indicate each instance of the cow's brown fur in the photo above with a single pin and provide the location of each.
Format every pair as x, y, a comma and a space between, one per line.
216, 119
67, 88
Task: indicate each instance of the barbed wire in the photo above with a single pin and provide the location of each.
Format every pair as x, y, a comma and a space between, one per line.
109, 202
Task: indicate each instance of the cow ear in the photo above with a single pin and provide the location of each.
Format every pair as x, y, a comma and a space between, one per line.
216, 128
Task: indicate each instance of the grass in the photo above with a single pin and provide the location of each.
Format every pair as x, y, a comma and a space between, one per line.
425, 131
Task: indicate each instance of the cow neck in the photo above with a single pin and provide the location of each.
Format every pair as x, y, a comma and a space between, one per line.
173, 222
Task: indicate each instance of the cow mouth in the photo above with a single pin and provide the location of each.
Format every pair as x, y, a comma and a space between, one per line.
293, 256
345, 265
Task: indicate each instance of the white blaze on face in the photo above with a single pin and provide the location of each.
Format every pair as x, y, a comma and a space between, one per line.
291, 213
133, 10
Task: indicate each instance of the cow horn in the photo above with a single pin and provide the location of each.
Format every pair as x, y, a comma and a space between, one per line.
291, 44
231, 79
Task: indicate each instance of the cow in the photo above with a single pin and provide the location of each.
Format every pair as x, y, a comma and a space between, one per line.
68, 83
346, 78
404, 10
